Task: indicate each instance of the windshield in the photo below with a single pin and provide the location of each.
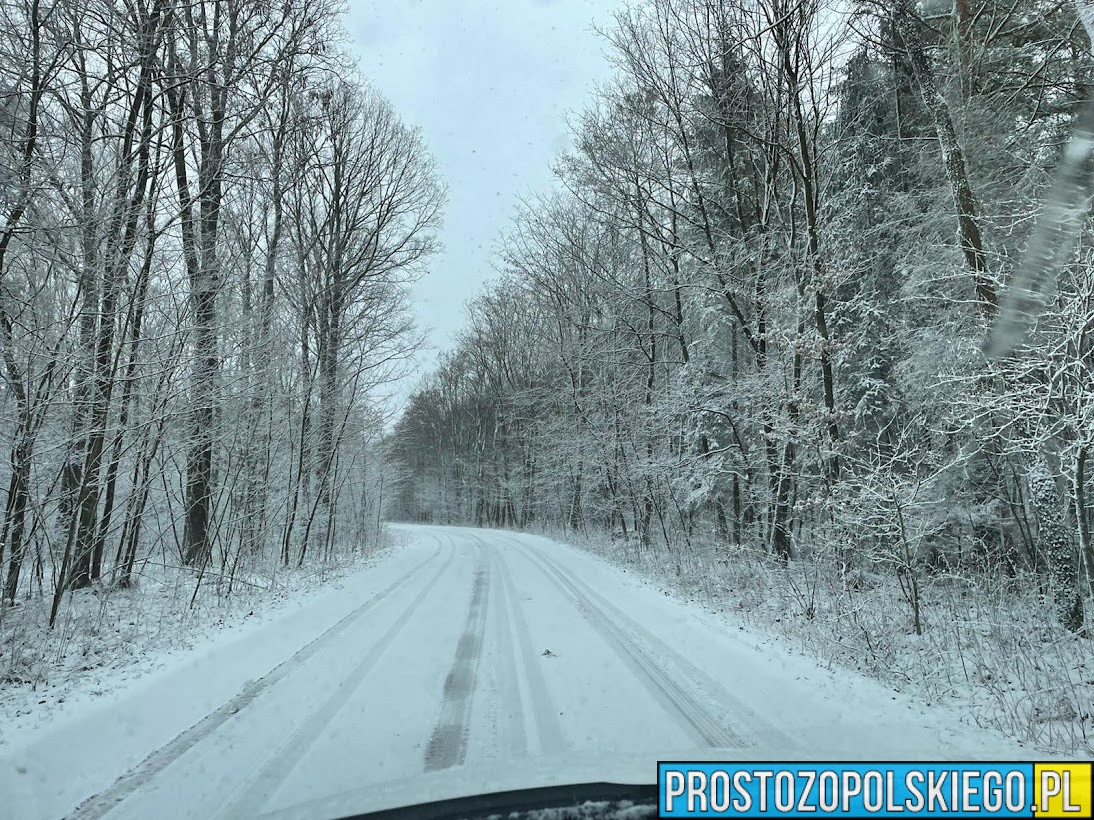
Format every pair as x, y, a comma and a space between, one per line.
408, 402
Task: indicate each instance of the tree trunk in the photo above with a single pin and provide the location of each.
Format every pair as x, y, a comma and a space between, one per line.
1056, 544
908, 27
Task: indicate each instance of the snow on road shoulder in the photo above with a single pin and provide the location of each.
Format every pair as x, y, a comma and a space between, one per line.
52, 759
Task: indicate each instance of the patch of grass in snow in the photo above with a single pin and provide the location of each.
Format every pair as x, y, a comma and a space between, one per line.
106, 634
990, 648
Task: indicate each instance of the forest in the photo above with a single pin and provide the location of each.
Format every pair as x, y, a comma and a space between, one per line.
803, 328
806, 320
208, 225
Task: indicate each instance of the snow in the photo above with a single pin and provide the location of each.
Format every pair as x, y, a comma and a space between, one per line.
993, 652
106, 640
53, 758
561, 669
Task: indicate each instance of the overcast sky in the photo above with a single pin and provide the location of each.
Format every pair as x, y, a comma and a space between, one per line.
490, 85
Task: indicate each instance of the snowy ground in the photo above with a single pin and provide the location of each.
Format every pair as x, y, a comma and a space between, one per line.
467, 661
991, 646
108, 638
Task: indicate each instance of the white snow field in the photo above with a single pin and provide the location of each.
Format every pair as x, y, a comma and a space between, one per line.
469, 661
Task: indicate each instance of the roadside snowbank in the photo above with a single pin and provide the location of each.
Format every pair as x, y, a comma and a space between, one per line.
106, 639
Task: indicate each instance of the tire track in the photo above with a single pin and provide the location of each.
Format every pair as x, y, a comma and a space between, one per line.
705, 686
447, 745
101, 803
626, 638
297, 745
510, 701
541, 713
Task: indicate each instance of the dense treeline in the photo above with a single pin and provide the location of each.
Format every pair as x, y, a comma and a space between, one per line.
206, 228
753, 309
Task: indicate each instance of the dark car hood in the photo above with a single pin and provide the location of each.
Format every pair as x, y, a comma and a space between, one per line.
517, 775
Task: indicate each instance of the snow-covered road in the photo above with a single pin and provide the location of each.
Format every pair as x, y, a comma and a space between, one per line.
469, 661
